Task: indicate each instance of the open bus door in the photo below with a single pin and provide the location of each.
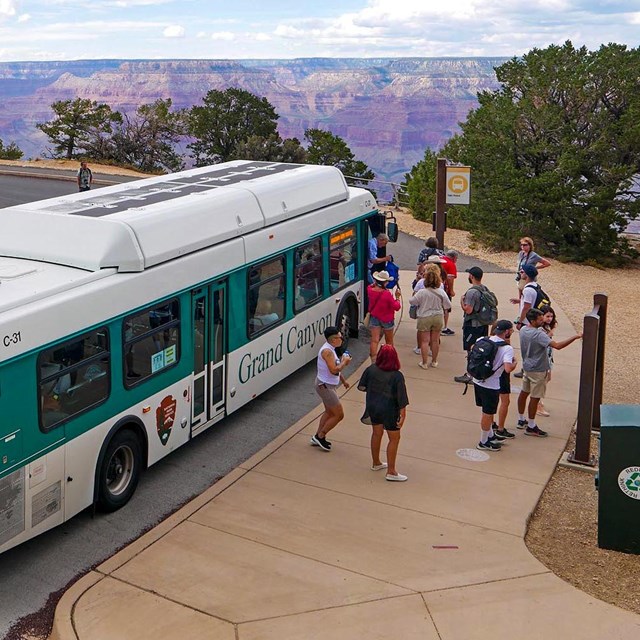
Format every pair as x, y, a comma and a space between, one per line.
209, 309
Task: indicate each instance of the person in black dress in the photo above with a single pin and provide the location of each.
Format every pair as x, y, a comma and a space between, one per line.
385, 408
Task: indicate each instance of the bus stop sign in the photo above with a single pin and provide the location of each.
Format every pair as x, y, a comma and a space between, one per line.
458, 185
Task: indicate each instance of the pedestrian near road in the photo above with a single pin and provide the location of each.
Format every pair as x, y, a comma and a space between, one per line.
449, 261
534, 345
329, 377
431, 249
488, 391
385, 408
382, 308
527, 256
84, 177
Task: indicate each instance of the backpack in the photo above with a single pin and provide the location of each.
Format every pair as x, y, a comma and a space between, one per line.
481, 357
487, 313
542, 299
394, 271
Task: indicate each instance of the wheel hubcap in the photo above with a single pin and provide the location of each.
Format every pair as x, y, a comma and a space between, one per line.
120, 470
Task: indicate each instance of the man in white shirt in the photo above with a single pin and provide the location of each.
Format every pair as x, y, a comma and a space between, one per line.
487, 391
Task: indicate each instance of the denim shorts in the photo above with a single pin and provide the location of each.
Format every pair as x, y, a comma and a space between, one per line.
376, 322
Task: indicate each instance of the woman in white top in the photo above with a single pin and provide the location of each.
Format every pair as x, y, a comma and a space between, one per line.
328, 379
432, 302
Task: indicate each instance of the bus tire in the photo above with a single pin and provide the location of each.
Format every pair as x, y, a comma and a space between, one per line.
119, 471
347, 319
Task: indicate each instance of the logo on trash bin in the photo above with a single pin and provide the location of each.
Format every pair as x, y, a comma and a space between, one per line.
629, 482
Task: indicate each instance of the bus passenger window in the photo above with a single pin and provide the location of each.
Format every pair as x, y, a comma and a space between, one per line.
265, 295
308, 274
151, 341
73, 377
343, 258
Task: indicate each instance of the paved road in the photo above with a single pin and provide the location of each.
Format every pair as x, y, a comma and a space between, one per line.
33, 571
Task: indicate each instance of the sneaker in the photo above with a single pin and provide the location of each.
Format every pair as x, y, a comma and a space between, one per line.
522, 424
434, 365
417, 351
518, 374
423, 365
379, 467
495, 439
535, 431
448, 332
503, 434
488, 446
397, 478
466, 378
323, 443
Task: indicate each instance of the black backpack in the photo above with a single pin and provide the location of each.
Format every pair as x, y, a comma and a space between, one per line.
542, 299
481, 357
487, 312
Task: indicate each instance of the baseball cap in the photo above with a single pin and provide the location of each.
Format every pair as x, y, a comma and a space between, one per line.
530, 270
503, 325
476, 272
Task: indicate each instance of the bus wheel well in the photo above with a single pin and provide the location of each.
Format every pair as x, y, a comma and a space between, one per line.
347, 316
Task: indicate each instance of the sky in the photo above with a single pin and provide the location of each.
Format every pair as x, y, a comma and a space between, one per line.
135, 29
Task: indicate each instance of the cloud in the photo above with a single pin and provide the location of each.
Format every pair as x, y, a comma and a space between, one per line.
174, 31
223, 35
24, 17
8, 8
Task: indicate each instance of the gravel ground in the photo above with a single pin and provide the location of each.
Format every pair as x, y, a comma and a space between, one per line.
563, 530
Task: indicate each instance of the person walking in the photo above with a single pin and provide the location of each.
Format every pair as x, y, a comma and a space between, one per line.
534, 345
328, 379
432, 303
479, 305
382, 307
84, 177
385, 408
487, 391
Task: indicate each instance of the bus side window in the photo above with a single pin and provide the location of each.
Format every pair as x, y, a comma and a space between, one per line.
151, 341
73, 377
307, 274
265, 295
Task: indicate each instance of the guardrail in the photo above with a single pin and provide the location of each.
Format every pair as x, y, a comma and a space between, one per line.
591, 380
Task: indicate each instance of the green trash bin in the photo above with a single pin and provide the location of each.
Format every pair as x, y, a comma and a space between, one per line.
619, 478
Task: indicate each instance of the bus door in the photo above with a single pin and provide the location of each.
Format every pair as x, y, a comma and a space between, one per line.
209, 350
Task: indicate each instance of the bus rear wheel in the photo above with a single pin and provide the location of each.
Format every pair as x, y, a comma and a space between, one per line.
119, 471
347, 320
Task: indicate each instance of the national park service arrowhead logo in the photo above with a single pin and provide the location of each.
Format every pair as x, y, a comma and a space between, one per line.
629, 482
165, 417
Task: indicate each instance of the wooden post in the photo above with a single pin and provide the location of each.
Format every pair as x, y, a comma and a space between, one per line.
441, 194
600, 301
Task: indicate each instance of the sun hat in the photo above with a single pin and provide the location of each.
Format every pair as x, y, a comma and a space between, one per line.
434, 258
382, 276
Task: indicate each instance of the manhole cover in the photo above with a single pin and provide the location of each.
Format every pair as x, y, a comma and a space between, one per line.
473, 455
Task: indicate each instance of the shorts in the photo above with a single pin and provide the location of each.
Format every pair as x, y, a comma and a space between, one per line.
535, 383
430, 323
505, 382
471, 334
376, 322
488, 399
327, 393
383, 420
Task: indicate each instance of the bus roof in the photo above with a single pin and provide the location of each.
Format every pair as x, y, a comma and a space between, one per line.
139, 224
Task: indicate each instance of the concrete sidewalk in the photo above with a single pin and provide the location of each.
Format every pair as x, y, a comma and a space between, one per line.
300, 543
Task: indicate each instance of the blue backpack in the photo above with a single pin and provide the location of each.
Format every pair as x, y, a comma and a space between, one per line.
394, 271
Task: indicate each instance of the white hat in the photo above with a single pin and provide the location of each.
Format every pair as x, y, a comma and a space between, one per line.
382, 276
435, 258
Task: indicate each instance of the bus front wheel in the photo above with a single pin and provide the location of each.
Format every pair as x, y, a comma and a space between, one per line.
119, 471
347, 320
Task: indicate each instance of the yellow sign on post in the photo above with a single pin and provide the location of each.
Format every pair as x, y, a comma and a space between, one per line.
458, 185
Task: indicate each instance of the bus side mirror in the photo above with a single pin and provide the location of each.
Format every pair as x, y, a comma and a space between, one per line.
392, 230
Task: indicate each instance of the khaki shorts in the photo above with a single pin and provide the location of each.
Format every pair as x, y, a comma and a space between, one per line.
534, 383
328, 393
431, 323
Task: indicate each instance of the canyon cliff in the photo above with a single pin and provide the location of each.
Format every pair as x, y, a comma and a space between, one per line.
388, 110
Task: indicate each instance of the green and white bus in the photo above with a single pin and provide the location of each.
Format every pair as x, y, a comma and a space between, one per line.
134, 317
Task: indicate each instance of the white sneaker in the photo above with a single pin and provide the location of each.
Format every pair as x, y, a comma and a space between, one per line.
379, 467
417, 351
397, 478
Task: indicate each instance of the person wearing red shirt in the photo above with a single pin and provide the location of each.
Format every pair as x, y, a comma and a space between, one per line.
382, 307
448, 263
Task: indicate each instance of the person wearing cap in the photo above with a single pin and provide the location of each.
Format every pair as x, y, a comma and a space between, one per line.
487, 392
382, 307
528, 274
328, 379
472, 328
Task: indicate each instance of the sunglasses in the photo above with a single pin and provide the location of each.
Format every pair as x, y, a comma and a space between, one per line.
524, 244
